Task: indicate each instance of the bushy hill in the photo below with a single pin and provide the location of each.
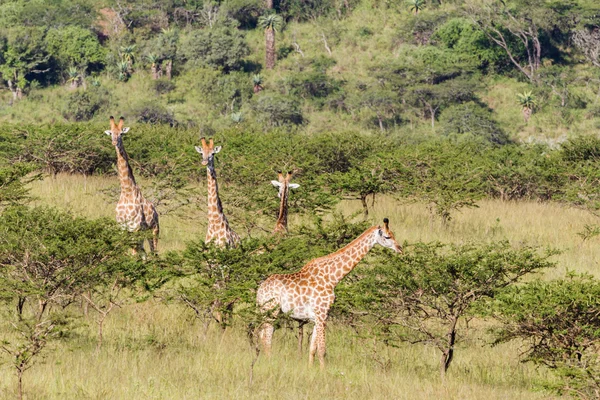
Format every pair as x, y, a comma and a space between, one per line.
409, 68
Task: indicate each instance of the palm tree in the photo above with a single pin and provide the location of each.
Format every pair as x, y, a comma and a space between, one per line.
123, 68
73, 77
257, 81
270, 23
416, 5
153, 60
128, 54
527, 102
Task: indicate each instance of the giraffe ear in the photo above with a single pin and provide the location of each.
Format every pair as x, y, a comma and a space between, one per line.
217, 149
294, 186
125, 130
276, 184
198, 149
109, 133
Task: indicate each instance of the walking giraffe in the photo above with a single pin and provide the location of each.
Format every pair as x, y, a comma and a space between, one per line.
284, 186
309, 293
218, 228
134, 212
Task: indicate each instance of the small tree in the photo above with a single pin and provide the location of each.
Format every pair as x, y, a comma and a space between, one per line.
416, 5
13, 180
528, 102
257, 83
423, 296
559, 324
47, 259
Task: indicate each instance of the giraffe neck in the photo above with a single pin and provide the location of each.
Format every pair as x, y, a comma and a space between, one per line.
126, 177
344, 260
215, 208
281, 225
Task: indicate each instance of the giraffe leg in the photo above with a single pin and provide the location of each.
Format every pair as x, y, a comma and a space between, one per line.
320, 331
300, 336
266, 335
313, 346
155, 233
153, 243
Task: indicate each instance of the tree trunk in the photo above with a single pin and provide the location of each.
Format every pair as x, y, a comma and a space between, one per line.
527, 113
448, 353
363, 201
20, 387
270, 48
380, 122
154, 71
169, 68
269, 4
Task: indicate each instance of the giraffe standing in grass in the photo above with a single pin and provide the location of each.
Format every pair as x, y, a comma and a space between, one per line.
309, 293
134, 212
218, 231
284, 186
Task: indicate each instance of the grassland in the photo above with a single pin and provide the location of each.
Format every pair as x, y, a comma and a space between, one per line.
157, 350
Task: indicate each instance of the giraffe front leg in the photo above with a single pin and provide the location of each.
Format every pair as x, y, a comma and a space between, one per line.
266, 336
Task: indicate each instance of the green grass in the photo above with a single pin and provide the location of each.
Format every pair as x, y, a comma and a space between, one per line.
157, 350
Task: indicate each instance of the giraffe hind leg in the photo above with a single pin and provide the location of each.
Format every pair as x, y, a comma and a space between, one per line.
153, 243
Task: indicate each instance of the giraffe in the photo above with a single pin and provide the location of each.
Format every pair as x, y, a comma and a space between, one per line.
284, 186
218, 227
134, 212
309, 293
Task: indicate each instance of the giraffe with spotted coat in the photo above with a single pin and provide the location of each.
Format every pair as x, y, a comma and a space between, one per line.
218, 230
309, 293
284, 185
134, 212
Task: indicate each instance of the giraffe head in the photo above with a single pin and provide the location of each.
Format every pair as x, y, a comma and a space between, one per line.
283, 183
116, 130
385, 237
208, 151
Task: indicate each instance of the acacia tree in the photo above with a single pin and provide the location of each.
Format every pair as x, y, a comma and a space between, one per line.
562, 331
423, 296
270, 23
47, 259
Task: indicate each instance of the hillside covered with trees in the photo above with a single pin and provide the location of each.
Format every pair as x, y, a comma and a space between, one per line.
523, 70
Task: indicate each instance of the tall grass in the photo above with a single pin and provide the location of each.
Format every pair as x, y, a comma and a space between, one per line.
157, 350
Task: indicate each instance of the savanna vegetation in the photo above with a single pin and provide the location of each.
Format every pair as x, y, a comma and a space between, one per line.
471, 125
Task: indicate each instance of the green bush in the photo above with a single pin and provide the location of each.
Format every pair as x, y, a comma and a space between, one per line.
152, 113
471, 118
463, 37
83, 105
221, 47
277, 110
310, 85
558, 325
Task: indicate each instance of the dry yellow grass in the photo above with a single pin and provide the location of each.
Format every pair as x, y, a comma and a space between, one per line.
155, 350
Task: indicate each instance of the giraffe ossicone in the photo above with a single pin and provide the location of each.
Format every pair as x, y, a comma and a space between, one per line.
284, 185
134, 212
309, 293
218, 229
